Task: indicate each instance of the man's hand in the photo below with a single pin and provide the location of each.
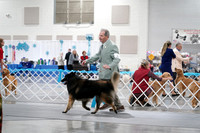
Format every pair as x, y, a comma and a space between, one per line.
106, 66
5, 65
83, 63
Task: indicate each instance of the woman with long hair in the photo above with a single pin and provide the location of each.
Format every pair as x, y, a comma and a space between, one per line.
167, 54
73, 59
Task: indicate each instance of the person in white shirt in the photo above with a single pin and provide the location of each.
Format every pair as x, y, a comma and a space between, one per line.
60, 61
177, 62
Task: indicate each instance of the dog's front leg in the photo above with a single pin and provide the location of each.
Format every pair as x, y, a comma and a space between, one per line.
98, 102
9, 90
70, 103
195, 101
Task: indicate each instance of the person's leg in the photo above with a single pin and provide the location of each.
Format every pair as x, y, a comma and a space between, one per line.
62, 67
138, 97
172, 89
131, 99
146, 98
118, 104
117, 101
69, 67
172, 86
174, 77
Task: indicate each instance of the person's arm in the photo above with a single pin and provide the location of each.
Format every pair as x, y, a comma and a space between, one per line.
95, 57
152, 75
70, 61
173, 54
115, 56
65, 56
2, 64
1, 61
77, 57
180, 58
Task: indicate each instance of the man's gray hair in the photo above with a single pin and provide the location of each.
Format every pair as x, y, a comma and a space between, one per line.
178, 44
107, 33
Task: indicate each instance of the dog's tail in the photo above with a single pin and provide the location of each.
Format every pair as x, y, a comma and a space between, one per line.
115, 80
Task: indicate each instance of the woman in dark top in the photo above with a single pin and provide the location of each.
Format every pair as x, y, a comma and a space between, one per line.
167, 54
141, 77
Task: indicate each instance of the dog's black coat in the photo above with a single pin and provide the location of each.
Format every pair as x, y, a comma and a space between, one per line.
84, 89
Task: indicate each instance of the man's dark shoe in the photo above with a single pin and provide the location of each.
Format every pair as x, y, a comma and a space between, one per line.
105, 106
131, 100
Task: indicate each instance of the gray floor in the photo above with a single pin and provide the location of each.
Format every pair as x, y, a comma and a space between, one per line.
24, 117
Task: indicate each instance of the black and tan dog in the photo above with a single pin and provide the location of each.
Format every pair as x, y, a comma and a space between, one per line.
84, 90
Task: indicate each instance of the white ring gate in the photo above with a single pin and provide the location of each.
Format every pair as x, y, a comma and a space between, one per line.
43, 85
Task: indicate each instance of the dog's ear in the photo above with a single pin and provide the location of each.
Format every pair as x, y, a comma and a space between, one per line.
168, 75
6, 71
163, 75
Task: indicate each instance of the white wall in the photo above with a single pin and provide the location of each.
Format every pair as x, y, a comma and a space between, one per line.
164, 15
102, 19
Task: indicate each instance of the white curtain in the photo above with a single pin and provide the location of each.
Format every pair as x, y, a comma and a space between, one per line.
34, 50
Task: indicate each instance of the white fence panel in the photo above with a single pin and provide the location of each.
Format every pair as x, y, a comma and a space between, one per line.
43, 85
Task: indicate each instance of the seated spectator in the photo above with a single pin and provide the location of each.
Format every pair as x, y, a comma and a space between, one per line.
84, 57
73, 59
53, 61
143, 73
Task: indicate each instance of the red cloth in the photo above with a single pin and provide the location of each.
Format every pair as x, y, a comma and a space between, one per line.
138, 76
1, 120
1, 53
84, 58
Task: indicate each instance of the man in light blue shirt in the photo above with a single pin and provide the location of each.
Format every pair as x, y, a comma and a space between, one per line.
108, 56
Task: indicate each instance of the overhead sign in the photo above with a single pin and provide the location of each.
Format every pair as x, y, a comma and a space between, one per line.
186, 36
